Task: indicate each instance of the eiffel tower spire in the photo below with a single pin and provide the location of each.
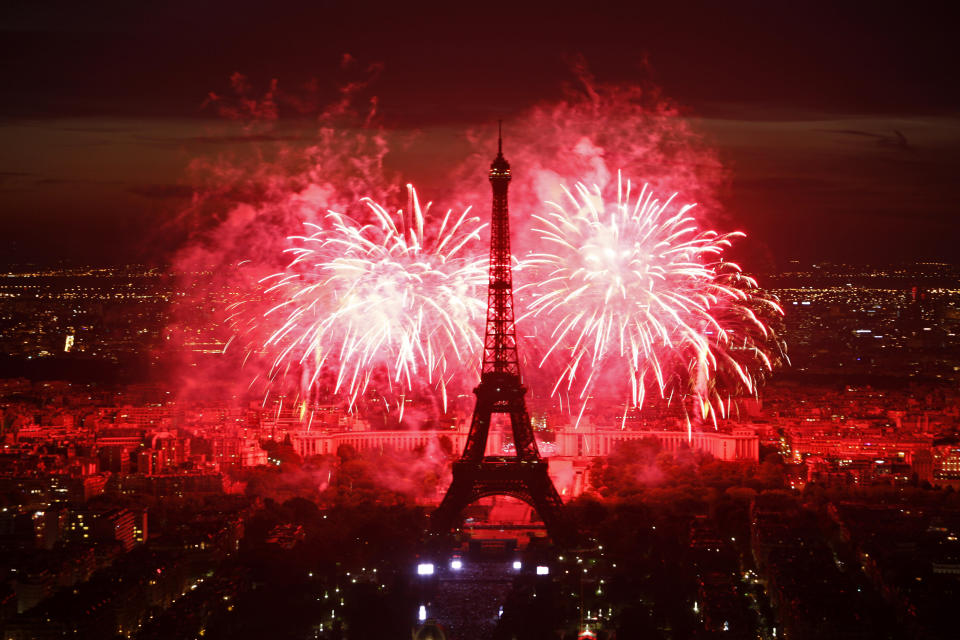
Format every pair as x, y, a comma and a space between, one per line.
500, 341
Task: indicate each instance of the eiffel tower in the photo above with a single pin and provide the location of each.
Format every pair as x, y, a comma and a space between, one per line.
523, 475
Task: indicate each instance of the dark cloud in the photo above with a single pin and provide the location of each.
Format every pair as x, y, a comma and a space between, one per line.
113, 57
16, 182
233, 139
95, 129
162, 191
787, 184
893, 139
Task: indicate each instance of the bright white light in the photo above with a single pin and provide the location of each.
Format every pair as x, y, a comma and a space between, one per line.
456, 564
517, 565
422, 613
542, 570
425, 569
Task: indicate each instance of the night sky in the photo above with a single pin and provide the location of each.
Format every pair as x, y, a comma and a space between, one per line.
838, 122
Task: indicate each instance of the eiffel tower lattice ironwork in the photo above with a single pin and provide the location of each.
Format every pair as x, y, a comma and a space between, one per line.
501, 391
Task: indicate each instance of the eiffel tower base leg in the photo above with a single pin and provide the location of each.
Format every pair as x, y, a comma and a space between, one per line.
527, 481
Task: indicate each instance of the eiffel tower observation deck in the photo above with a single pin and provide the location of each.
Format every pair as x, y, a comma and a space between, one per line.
501, 391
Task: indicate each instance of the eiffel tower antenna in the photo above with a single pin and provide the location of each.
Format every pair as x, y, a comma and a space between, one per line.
523, 475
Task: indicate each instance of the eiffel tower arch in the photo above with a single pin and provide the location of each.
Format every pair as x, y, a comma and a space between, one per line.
501, 391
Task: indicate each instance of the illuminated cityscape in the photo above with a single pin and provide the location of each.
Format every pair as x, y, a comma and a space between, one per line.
89, 465
279, 360
866, 417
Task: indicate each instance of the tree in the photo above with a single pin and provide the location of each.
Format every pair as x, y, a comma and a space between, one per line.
446, 445
347, 452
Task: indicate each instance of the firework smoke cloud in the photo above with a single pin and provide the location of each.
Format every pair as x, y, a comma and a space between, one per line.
334, 289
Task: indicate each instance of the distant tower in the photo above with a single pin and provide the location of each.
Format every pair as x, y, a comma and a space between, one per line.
523, 475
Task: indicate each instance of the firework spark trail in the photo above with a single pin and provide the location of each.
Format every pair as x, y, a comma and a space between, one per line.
638, 289
592, 132
382, 297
